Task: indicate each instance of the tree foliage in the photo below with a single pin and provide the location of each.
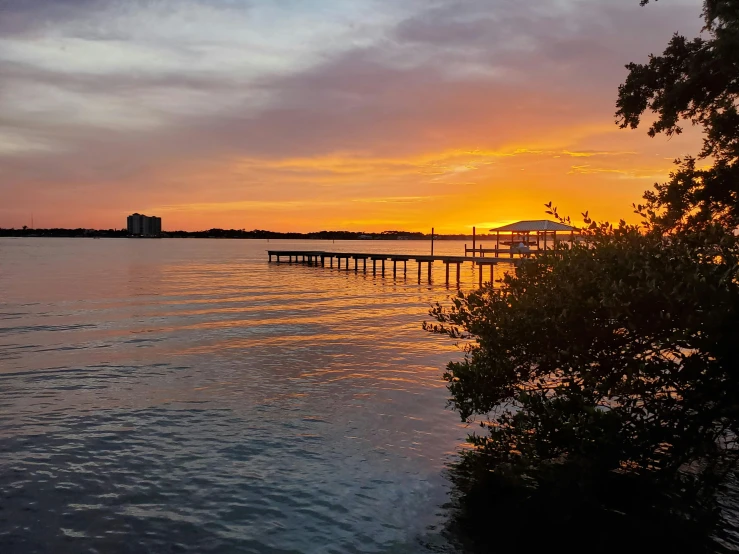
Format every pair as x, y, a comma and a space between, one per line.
617, 354
696, 81
616, 359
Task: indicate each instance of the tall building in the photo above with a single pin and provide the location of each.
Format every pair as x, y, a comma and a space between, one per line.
144, 226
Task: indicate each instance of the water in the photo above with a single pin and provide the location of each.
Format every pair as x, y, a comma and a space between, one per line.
185, 395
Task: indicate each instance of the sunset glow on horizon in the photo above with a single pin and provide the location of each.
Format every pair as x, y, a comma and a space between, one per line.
361, 115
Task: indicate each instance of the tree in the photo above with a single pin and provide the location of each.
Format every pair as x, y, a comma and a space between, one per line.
612, 364
608, 366
617, 354
695, 81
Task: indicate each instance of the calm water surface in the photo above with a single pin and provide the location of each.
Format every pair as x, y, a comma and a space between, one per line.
185, 395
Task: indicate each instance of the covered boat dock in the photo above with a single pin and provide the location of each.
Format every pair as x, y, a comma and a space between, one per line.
524, 238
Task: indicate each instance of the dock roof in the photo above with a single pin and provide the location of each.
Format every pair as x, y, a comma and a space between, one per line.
535, 225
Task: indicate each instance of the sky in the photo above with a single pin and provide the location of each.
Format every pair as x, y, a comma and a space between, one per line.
305, 115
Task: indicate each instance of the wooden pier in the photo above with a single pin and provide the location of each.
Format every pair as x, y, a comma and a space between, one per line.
513, 244
320, 258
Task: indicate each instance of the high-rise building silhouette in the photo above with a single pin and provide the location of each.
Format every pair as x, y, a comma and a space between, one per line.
144, 226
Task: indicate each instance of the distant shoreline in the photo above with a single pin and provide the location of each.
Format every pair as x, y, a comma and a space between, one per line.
232, 234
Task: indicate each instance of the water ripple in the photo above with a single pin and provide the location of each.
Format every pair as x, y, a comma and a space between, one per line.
188, 396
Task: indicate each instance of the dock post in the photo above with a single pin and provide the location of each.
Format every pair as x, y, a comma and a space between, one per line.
419, 270
331, 258
430, 262
492, 274
480, 268
356, 265
447, 273
405, 268
383, 267
474, 240
458, 264
270, 258
364, 261
323, 261
395, 268
374, 266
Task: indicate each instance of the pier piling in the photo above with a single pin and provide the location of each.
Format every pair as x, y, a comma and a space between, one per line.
312, 258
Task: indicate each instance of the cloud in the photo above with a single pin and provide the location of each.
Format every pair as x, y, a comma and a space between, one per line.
164, 99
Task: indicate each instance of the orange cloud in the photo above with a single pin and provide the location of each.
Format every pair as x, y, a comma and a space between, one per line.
449, 115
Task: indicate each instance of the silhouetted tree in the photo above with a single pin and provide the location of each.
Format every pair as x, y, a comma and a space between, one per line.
695, 81
605, 373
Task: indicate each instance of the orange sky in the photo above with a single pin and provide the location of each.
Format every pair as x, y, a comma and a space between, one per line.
361, 115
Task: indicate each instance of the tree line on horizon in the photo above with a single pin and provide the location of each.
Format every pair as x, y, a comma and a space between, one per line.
236, 234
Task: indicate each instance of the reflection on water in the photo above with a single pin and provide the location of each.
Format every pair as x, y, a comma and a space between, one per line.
611, 514
187, 395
